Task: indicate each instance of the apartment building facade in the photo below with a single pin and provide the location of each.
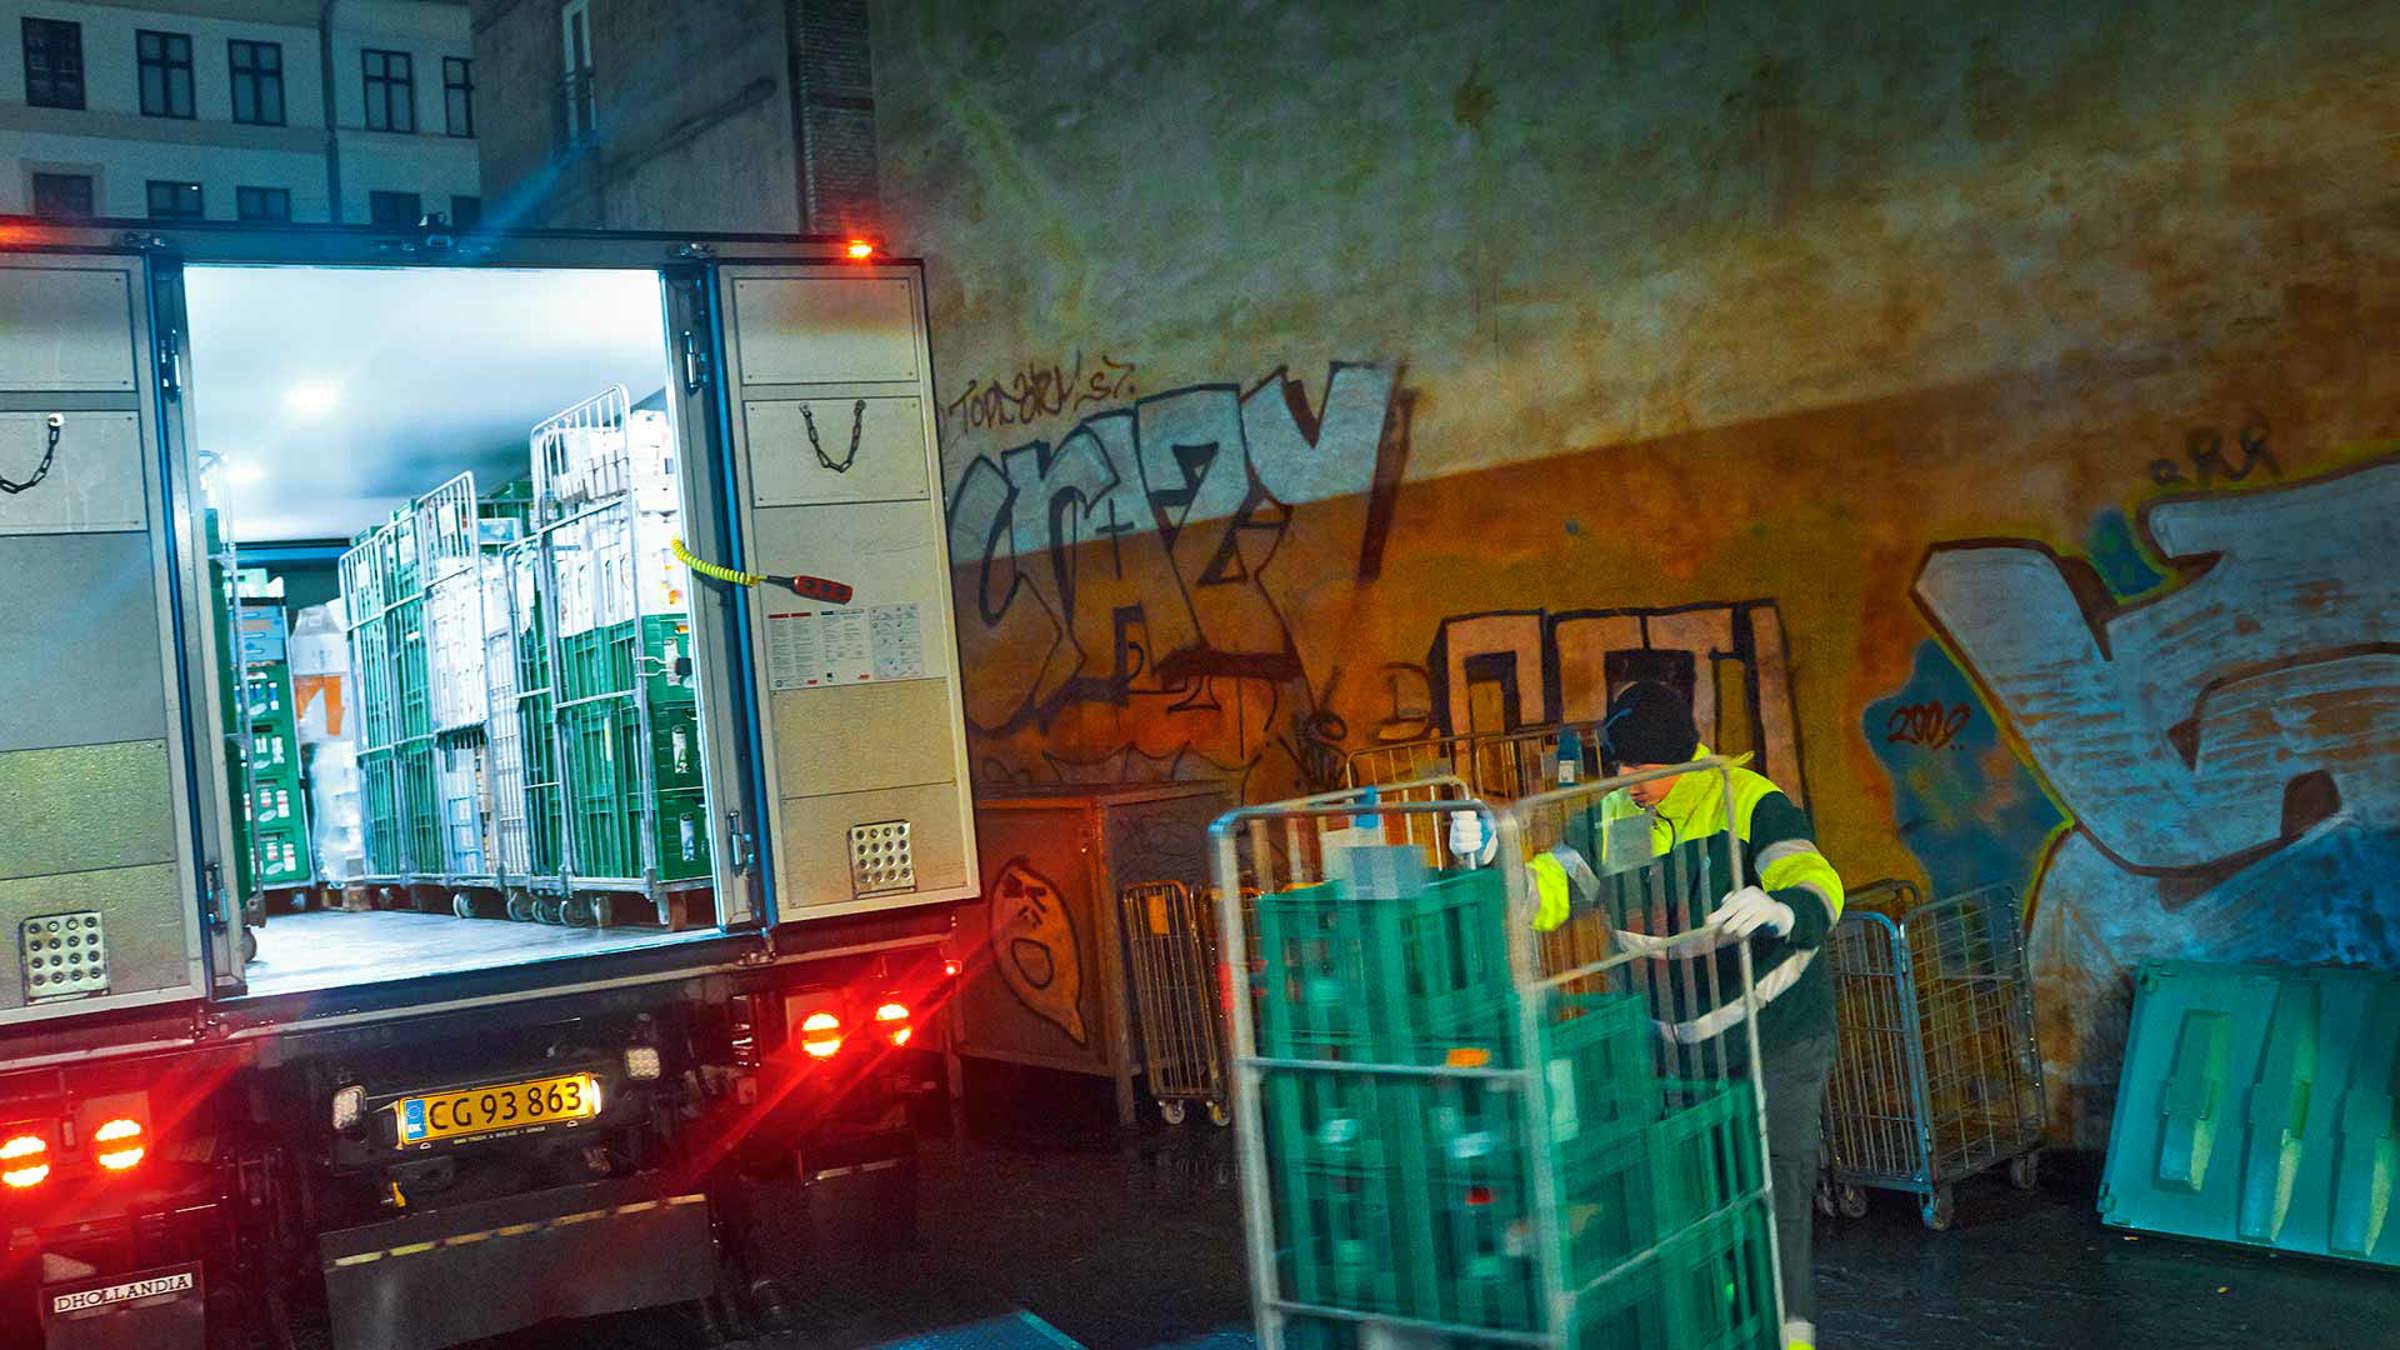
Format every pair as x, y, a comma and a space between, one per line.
263, 110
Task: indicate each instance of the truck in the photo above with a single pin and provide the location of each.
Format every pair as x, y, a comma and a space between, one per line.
412, 1112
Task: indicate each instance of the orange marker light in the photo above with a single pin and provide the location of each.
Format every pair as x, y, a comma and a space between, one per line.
860, 250
821, 1035
124, 1133
24, 1161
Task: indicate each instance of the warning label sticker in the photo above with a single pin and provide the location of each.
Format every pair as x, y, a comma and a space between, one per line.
812, 649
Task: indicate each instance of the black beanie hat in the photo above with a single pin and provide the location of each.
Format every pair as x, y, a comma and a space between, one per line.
1650, 724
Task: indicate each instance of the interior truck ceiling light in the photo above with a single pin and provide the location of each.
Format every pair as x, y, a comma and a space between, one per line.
314, 398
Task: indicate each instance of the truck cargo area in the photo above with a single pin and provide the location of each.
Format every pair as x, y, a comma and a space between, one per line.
454, 649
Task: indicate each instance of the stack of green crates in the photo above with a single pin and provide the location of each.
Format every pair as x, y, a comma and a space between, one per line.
1412, 1196
229, 695
400, 805
267, 795
275, 807
545, 810
600, 727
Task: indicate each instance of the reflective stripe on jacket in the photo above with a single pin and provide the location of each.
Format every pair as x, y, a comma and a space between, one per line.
1695, 836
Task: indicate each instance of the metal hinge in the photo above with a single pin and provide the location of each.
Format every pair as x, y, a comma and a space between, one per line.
212, 897
695, 363
741, 845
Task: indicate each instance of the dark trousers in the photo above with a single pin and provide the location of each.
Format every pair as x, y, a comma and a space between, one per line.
1795, 1091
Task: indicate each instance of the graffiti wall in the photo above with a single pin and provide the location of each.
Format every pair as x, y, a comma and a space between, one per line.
1981, 422
2225, 746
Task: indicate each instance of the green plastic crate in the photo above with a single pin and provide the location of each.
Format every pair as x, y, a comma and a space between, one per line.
1420, 979
1362, 1136
378, 712
681, 821
603, 789
379, 813
545, 816
1338, 1248
603, 660
277, 801
2257, 1106
400, 558
281, 855
412, 675
545, 807
420, 808
1448, 1154
1627, 1186
675, 748
1711, 1287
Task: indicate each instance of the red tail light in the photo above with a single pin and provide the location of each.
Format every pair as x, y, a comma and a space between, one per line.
821, 1035
860, 249
119, 1143
24, 1161
893, 1020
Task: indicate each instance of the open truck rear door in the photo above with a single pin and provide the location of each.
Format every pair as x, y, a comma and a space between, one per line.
105, 833
835, 473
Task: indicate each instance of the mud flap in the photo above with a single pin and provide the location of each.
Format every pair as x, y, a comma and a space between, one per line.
483, 1269
160, 1309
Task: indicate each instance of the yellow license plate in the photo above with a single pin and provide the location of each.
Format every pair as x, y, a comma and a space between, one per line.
490, 1110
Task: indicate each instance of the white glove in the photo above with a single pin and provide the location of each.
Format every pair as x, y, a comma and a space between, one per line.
1750, 909
1471, 839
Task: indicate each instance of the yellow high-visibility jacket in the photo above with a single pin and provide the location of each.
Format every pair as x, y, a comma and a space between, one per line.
1695, 834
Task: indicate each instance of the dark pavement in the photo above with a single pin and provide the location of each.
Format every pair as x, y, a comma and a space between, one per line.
1115, 1248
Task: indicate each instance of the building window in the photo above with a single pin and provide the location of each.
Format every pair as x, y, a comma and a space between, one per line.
53, 63
395, 208
575, 33
458, 95
466, 213
262, 204
257, 81
166, 60
174, 201
63, 196
391, 90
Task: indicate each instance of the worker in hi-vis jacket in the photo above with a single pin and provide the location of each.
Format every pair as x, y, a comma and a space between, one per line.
1783, 912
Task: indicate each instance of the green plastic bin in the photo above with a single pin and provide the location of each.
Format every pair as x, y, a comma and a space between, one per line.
1710, 1287
2260, 1105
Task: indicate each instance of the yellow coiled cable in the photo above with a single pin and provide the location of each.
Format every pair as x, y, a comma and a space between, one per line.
709, 569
